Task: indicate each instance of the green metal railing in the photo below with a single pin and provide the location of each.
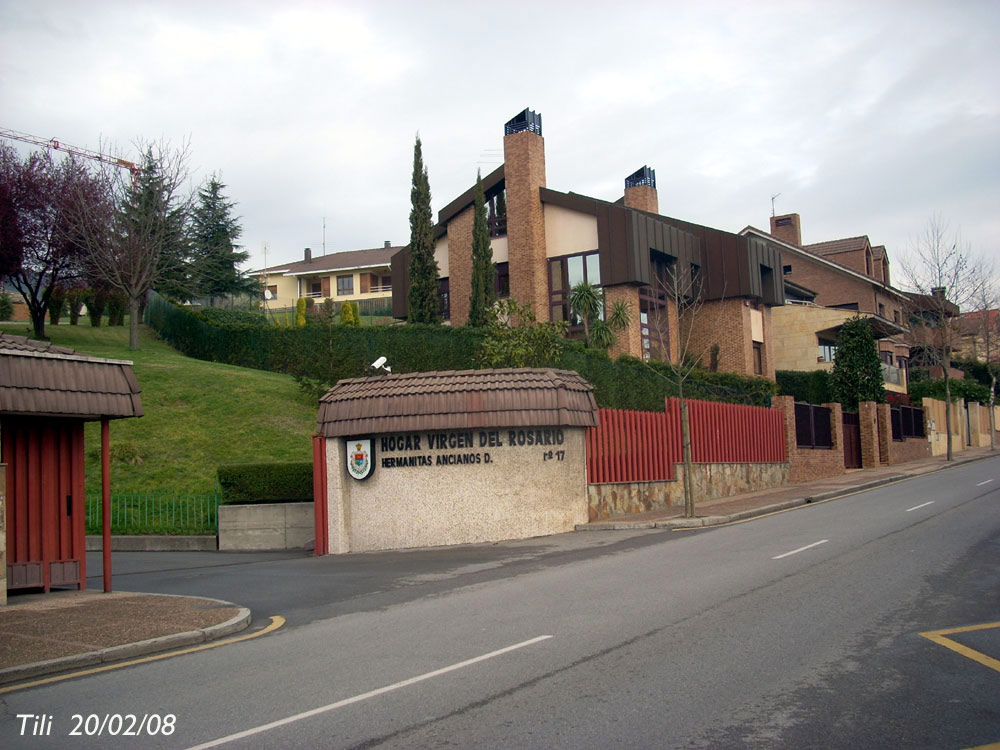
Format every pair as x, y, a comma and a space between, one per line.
162, 512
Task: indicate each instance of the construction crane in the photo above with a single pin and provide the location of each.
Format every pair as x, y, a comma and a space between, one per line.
74, 150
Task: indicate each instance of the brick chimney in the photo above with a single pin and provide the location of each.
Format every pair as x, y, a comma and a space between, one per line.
308, 255
524, 175
640, 190
787, 228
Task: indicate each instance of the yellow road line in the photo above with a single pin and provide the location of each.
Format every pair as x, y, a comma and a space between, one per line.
276, 622
939, 637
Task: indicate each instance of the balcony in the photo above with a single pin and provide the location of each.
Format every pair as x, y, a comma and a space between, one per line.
892, 374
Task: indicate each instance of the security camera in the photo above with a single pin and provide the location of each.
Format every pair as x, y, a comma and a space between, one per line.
378, 363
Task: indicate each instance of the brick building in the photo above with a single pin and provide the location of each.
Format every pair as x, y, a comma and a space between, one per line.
546, 241
848, 277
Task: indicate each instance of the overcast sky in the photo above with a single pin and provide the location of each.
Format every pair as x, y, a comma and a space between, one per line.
867, 118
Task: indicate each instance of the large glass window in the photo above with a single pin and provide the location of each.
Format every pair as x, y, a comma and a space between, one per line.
345, 285
653, 325
566, 272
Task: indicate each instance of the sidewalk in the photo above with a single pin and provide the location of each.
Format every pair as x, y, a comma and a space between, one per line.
62, 630
739, 507
67, 630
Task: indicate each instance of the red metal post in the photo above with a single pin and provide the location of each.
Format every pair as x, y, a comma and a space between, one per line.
106, 501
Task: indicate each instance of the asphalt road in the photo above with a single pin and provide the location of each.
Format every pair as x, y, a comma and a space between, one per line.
797, 630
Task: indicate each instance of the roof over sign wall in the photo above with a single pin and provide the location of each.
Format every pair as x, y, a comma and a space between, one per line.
38, 379
454, 400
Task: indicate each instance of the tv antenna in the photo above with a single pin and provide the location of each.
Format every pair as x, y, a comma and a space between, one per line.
772, 202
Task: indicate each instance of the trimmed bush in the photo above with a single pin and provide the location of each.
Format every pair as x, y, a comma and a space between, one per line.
6, 306
57, 304
289, 482
809, 387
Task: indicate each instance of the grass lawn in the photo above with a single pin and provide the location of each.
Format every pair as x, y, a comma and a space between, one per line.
198, 415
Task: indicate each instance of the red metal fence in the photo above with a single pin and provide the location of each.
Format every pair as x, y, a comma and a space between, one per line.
636, 446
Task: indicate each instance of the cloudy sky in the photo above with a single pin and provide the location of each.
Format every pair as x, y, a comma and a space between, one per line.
867, 118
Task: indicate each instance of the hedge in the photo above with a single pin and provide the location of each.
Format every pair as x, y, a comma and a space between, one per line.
319, 355
288, 482
970, 390
810, 387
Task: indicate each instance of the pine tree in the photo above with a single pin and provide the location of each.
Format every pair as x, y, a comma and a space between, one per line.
423, 296
482, 296
216, 256
857, 369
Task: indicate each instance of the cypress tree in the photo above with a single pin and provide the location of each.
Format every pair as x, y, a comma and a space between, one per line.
482, 296
857, 369
423, 297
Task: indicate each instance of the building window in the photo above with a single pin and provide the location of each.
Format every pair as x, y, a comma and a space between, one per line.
501, 281
881, 310
895, 316
786, 270
758, 358
827, 350
565, 273
653, 325
345, 285
273, 289
886, 357
496, 213
444, 306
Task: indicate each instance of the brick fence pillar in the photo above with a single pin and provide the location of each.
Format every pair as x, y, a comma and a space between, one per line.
868, 417
884, 415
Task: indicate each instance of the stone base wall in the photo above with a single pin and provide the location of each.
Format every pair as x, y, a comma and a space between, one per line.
710, 481
271, 526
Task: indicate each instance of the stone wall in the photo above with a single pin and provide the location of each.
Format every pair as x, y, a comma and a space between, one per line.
710, 481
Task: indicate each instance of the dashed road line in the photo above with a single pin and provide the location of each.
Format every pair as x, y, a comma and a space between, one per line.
918, 507
801, 549
365, 696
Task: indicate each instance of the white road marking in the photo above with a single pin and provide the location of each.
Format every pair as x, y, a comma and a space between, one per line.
801, 549
982, 483
365, 696
922, 505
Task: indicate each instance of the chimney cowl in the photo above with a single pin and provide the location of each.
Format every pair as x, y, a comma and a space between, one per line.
388, 243
526, 120
642, 176
938, 292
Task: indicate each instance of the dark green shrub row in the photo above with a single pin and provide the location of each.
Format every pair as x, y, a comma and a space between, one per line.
810, 387
235, 316
288, 482
320, 355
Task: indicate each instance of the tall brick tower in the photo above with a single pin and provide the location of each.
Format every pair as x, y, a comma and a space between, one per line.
524, 175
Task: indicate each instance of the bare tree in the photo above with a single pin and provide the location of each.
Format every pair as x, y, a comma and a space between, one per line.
137, 239
943, 275
40, 246
675, 314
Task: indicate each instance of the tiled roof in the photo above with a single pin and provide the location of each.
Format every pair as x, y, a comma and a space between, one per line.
377, 256
38, 379
838, 246
466, 399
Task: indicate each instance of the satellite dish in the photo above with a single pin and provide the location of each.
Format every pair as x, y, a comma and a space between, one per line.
267, 294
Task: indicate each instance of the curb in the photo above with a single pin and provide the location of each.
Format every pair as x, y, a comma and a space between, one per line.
240, 621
